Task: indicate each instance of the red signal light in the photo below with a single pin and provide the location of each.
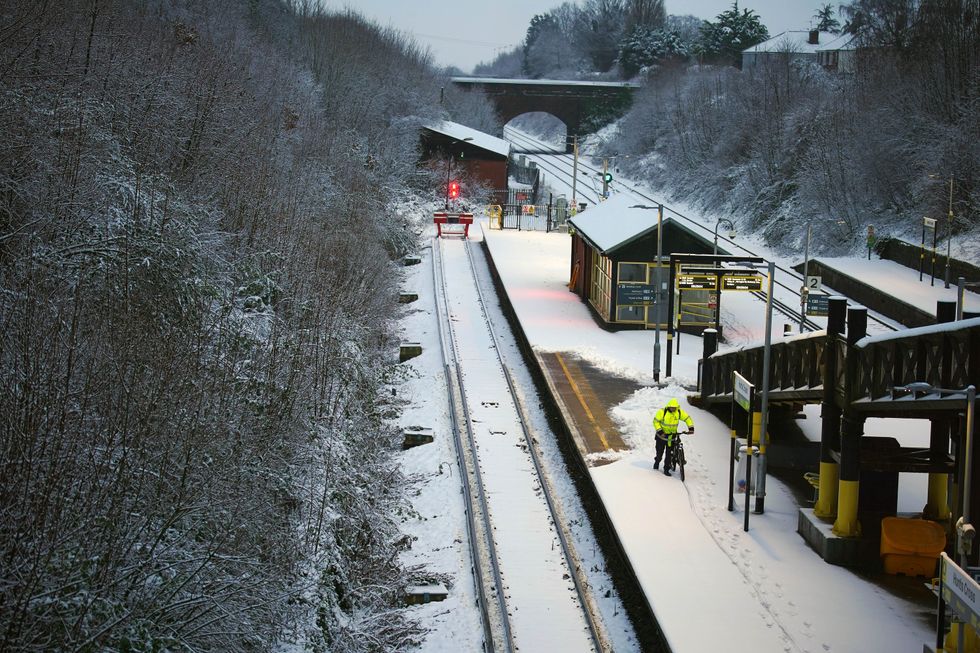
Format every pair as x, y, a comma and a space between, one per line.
453, 190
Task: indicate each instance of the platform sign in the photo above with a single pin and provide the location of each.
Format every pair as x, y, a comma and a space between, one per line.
960, 591
636, 293
742, 390
818, 305
697, 282
813, 283
742, 282
929, 223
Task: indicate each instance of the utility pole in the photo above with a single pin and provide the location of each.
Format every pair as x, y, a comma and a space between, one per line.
656, 293
805, 290
574, 173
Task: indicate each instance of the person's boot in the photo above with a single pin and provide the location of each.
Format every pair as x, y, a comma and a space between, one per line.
667, 472
656, 464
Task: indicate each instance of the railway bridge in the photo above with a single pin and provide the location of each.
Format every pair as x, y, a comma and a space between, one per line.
919, 373
583, 106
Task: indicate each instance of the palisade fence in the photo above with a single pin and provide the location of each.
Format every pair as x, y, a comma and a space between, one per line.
522, 210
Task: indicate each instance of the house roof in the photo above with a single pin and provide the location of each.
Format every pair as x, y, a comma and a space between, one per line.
477, 138
794, 41
842, 42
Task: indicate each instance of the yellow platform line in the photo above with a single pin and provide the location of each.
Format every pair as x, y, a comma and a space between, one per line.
585, 406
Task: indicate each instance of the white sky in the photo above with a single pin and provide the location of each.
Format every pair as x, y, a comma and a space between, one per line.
464, 33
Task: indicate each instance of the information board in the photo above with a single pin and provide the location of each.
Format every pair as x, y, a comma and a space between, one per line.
741, 282
960, 591
697, 282
635, 293
817, 305
742, 390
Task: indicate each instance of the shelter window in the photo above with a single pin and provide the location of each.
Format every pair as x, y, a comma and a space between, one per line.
632, 273
600, 290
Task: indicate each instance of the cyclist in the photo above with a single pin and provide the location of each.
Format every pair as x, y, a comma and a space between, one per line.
665, 423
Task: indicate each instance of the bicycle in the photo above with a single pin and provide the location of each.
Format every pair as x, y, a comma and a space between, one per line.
678, 458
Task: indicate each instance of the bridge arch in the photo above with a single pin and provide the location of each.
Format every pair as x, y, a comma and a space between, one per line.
583, 106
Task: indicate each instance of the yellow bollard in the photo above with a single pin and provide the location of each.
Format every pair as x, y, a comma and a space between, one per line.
847, 524
937, 502
826, 505
971, 641
496, 213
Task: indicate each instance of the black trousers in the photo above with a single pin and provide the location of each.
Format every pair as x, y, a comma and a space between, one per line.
661, 445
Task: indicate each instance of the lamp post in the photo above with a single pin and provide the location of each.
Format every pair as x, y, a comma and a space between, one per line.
656, 289
574, 173
805, 290
449, 165
964, 529
731, 230
949, 230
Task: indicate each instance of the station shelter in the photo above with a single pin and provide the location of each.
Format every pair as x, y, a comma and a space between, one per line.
614, 266
466, 154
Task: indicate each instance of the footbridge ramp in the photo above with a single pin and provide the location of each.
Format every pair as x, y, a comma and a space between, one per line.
929, 372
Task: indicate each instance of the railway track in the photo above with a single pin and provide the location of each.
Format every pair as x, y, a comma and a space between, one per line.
559, 164
532, 593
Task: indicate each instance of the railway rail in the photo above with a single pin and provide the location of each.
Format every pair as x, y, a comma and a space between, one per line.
559, 163
532, 592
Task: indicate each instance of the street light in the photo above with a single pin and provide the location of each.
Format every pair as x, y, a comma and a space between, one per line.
805, 290
949, 229
449, 165
656, 290
964, 529
731, 230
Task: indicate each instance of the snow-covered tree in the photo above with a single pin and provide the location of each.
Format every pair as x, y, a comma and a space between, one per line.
687, 27
549, 48
599, 30
882, 23
826, 21
646, 14
731, 32
646, 47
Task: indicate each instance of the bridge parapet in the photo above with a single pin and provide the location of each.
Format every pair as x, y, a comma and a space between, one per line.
945, 355
796, 370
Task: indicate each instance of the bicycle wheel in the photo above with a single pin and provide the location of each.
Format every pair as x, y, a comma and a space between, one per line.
679, 457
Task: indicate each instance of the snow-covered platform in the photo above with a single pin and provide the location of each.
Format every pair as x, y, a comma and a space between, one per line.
761, 590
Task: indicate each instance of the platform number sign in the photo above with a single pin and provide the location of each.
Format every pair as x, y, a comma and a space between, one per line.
813, 283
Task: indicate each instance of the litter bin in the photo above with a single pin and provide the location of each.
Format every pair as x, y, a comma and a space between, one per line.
742, 457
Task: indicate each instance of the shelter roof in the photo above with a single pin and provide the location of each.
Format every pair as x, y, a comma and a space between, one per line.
617, 222
477, 138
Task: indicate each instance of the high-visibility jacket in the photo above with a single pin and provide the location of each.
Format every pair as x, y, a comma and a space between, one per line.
667, 420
